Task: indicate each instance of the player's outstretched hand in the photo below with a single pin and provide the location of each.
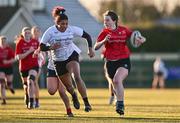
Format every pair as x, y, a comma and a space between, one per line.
36, 52
91, 53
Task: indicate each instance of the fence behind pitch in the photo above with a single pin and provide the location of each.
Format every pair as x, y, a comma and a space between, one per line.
92, 72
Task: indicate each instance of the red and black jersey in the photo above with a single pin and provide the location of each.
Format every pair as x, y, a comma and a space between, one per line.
6, 53
29, 61
116, 47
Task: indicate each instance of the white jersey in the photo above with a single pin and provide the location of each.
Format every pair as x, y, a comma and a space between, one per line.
159, 66
50, 61
51, 65
65, 39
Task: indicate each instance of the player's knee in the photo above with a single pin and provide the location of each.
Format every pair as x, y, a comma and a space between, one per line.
32, 77
9, 83
2, 80
116, 81
77, 79
51, 91
25, 84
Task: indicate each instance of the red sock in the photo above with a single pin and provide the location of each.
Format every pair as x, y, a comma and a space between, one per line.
68, 110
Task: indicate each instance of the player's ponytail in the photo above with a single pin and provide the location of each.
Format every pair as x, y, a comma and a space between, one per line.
58, 13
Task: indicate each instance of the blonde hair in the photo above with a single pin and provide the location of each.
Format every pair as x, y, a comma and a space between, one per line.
2, 37
34, 28
26, 28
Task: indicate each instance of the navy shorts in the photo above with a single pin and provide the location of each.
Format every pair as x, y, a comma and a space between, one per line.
159, 73
26, 73
60, 66
7, 71
51, 73
112, 66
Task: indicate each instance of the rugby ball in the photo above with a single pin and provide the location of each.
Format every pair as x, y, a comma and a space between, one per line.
134, 36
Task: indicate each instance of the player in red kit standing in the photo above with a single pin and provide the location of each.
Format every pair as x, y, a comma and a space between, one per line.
116, 53
6, 69
28, 65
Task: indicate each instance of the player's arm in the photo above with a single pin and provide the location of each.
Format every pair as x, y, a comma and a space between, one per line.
12, 60
80, 32
89, 42
11, 56
45, 40
88, 39
24, 55
43, 47
99, 44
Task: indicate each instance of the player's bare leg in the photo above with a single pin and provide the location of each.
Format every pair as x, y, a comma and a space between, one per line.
10, 84
74, 68
36, 89
25, 86
67, 81
62, 93
155, 82
161, 82
31, 80
3, 87
118, 79
111, 92
3, 91
53, 84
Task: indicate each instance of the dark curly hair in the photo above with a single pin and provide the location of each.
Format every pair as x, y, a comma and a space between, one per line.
58, 13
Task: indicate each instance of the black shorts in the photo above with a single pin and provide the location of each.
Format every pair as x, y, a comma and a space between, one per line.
159, 73
51, 73
112, 66
26, 73
60, 66
7, 71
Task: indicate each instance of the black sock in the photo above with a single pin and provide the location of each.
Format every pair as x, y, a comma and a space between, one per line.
27, 97
31, 100
37, 100
112, 94
86, 102
74, 95
121, 103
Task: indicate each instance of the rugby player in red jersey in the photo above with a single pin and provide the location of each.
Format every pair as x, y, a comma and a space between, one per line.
28, 65
116, 53
6, 68
36, 34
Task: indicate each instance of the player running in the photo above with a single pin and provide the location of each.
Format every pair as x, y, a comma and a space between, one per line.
36, 34
116, 53
6, 68
28, 65
59, 37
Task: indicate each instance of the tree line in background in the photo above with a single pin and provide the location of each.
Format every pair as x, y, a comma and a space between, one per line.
137, 10
160, 38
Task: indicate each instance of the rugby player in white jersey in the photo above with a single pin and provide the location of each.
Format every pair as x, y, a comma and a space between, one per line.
65, 55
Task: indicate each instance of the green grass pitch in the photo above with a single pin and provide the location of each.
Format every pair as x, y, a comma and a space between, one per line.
141, 106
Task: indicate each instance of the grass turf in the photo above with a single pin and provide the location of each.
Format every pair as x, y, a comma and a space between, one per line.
141, 106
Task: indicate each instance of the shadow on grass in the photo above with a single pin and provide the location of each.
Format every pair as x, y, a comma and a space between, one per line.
123, 118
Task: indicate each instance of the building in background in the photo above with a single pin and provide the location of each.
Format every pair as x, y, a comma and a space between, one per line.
15, 14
